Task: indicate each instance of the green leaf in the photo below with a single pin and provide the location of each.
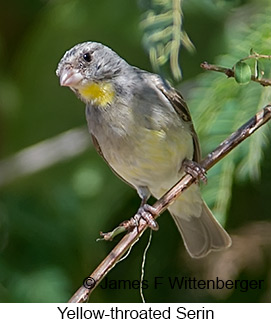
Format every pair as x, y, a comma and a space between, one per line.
242, 72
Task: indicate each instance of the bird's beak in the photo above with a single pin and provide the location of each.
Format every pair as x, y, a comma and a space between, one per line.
70, 77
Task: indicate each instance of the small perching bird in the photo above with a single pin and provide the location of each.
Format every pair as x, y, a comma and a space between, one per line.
142, 128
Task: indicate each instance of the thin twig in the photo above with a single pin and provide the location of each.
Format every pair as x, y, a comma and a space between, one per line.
230, 73
256, 56
167, 199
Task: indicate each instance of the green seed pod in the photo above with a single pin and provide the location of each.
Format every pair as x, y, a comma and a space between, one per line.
242, 72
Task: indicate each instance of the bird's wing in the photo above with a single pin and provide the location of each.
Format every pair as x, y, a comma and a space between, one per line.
181, 108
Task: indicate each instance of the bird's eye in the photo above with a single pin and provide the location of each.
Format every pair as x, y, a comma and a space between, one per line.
87, 57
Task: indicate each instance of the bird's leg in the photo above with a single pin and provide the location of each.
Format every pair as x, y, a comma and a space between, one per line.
194, 169
145, 211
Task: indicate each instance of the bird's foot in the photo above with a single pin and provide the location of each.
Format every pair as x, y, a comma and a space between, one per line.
195, 170
147, 213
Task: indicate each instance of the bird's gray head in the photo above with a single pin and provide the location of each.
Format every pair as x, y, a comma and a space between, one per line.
88, 69
89, 60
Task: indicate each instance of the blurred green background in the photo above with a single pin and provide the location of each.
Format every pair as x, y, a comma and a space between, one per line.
57, 194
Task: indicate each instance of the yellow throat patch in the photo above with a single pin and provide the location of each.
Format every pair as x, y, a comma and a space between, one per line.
101, 93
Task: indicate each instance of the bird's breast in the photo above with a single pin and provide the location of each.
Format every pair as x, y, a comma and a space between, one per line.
142, 156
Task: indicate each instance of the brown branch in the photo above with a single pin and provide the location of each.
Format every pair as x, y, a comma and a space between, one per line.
162, 204
230, 73
256, 56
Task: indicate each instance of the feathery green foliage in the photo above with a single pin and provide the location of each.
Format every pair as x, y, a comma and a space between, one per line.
163, 36
219, 106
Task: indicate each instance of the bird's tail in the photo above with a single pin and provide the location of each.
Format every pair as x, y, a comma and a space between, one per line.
200, 231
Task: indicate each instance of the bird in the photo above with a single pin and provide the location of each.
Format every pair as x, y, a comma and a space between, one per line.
142, 128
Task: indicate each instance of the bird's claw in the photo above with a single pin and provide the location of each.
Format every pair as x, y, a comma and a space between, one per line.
195, 170
147, 213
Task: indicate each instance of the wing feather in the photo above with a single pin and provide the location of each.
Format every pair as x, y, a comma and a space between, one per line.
178, 103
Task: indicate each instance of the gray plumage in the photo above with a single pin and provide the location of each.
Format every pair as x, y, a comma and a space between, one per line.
142, 128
